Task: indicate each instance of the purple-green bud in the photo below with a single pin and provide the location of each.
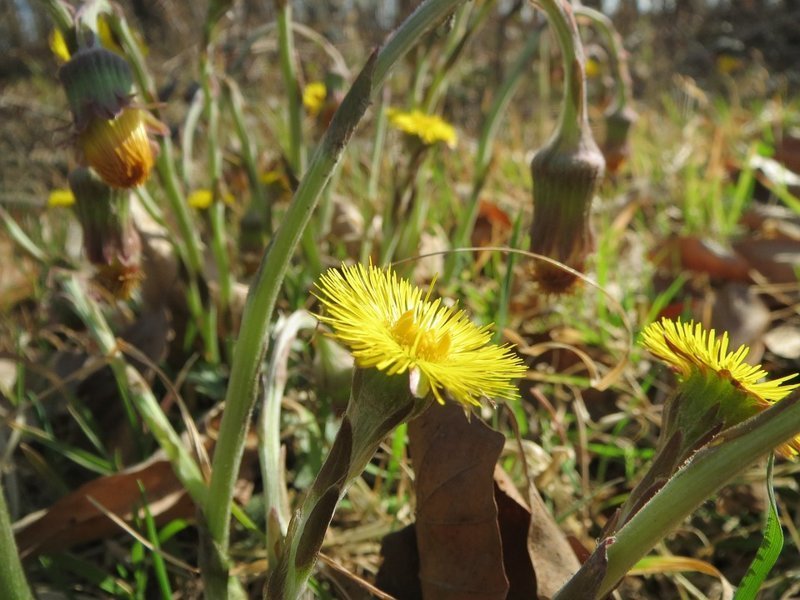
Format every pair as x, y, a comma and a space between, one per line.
110, 239
98, 84
565, 178
616, 147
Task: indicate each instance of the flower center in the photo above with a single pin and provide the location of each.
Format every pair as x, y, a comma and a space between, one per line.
421, 343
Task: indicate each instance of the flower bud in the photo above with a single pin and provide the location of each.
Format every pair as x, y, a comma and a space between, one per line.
565, 177
110, 239
616, 147
98, 84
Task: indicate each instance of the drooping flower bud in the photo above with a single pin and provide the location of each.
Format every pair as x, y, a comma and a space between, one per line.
565, 178
111, 133
616, 147
110, 239
98, 83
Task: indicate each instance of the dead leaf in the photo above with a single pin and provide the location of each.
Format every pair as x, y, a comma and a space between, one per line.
458, 538
73, 519
701, 256
492, 225
514, 520
548, 547
787, 152
399, 571
778, 260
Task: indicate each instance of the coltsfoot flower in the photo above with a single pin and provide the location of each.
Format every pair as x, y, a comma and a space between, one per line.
60, 197
391, 325
314, 95
119, 149
111, 132
428, 128
710, 373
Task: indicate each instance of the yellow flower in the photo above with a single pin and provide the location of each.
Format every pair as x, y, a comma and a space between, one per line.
428, 128
58, 45
60, 197
119, 149
314, 95
693, 352
202, 198
592, 67
393, 326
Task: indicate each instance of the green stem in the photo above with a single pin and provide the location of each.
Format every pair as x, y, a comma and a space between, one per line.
250, 346
573, 115
377, 147
275, 499
708, 470
257, 196
135, 388
189, 249
619, 58
466, 29
483, 157
286, 46
219, 242
378, 404
12, 575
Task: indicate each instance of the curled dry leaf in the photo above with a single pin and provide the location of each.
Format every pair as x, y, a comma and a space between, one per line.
700, 256
459, 543
74, 519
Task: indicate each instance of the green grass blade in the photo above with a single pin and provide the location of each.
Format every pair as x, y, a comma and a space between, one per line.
770, 549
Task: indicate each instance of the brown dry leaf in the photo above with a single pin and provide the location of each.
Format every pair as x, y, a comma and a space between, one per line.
514, 519
76, 519
399, 571
701, 256
492, 225
551, 553
73, 519
778, 260
458, 538
787, 152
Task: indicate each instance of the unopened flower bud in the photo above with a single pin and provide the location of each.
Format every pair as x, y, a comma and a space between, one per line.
110, 239
616, 147
565, 178
98, 83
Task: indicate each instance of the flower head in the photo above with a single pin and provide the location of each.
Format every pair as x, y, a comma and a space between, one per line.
428, 128
393, 326
119, 149
201, 199
314, 95
700, 357
60, 197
